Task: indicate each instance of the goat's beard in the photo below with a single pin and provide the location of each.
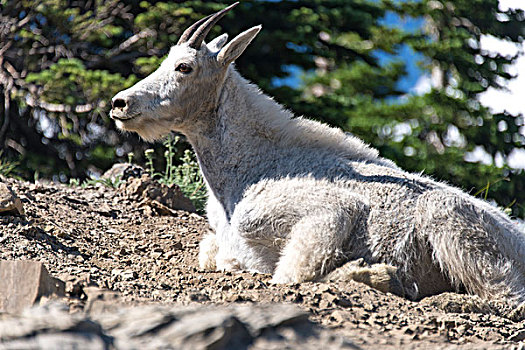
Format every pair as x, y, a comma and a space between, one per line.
148, 129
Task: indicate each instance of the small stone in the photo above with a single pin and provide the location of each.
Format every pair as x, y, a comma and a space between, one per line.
61, 233
10, 204
369, 307
324, 288
330, 298
338, 316
122, 251
116, 274
323, 304
343, 302
104, 210
156, 255
269, 316
518, 336
207, 330
128, 275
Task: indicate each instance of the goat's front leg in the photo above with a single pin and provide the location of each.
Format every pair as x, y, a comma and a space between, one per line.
208, 249
213, 258
217, 249
321, 241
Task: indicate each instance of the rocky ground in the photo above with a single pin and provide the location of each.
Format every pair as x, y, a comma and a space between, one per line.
129, 263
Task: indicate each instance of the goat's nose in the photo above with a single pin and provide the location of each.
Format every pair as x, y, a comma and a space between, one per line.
118, 103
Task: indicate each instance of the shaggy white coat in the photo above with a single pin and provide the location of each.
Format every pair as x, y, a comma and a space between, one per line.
296, 198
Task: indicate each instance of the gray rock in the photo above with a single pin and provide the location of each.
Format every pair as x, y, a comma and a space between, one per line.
261, 318
208, 329
51, 327
56, 341
25, 282
139, 321
275, 326
10, 204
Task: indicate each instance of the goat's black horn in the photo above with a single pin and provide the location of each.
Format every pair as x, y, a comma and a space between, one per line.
189, 32
199, 34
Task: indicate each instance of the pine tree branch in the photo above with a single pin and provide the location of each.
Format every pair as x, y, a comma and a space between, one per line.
10, 78
130, 41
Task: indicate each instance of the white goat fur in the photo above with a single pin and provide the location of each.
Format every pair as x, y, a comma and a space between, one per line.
297, 198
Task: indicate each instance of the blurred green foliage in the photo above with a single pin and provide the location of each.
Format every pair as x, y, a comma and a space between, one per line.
61, 62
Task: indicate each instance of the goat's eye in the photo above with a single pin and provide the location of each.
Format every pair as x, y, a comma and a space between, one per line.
184, 68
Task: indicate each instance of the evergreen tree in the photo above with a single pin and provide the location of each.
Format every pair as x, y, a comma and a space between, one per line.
454, 121
56, 78
61, 62
434, 132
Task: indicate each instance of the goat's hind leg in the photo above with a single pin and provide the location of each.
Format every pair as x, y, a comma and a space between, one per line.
475, 245
320, 241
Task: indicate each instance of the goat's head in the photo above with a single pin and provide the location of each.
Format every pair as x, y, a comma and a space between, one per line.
185, 86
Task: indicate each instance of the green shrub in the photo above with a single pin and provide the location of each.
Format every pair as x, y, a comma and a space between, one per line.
186, 175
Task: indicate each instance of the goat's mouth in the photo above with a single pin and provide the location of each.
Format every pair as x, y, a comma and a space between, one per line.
126, 121
127, 124
121, 115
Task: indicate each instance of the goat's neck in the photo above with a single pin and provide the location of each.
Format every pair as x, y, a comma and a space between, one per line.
240, 135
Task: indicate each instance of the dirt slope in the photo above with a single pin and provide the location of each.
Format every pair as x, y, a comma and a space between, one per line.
101, 237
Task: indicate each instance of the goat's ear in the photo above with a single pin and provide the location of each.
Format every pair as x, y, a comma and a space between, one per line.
236, 47
216, 44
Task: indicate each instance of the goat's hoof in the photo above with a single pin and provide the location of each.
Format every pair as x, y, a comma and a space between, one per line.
228, 264
283, 277
382, 277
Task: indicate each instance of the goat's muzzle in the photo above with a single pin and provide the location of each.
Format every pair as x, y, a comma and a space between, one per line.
120, 108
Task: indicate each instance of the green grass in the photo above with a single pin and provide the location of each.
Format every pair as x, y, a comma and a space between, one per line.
7, 167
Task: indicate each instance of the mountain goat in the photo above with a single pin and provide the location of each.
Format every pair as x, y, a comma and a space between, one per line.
298, 199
